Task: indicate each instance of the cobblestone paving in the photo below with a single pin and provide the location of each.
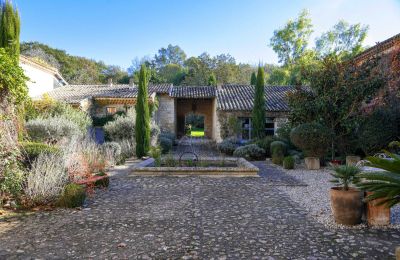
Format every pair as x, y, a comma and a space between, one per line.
187, 217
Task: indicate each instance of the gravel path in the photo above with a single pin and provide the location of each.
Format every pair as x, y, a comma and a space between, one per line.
188, 218
315, 196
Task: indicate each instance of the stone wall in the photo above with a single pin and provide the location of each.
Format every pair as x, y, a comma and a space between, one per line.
166, 113
223, 129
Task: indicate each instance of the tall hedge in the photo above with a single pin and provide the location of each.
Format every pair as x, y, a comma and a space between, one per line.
142, 125
253, 79
9, 28
258, 114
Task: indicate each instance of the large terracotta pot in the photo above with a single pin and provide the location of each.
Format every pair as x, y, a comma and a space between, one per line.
312, 163
377, 215
352, 160
347, 206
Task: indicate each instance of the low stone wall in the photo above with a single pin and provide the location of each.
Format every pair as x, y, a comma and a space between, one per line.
243, 169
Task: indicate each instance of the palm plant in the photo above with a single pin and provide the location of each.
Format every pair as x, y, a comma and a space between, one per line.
345, 175
384, 184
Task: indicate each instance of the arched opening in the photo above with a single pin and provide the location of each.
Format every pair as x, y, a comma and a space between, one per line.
194, 125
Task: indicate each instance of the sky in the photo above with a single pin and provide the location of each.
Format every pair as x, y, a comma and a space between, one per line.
118, 31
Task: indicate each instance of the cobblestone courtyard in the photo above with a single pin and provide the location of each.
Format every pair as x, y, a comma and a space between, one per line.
189, 217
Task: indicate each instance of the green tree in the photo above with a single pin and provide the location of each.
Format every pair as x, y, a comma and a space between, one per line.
336, 95
172, 73
142, 125
253, 79
212, 80
170, 55
258, 113
290, 42
343, 39
9, 28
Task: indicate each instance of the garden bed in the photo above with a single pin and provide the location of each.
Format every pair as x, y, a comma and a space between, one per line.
232, 167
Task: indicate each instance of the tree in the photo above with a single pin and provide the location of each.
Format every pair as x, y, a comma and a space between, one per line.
172, 73
212, 80
258, 113
116, 74
142, 125
9, 28
170, 55
253, 79
343, 39
290, 42
336, 95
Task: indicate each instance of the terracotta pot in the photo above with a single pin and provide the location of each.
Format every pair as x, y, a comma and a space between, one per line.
352, 160
336, 162
377, 215
312, 163
347, 205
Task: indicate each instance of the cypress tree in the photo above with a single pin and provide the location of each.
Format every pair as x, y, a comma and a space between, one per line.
212, 80
142, 125
258, 113
253, 79
9, 28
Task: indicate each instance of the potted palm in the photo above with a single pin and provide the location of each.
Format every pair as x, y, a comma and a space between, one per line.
383, 188
346, 201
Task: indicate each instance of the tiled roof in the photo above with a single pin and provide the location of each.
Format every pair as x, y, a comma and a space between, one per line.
76, 93
240, 97
193, 92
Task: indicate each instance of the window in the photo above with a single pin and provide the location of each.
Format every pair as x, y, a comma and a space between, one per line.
269, 126
111, 110
246, 128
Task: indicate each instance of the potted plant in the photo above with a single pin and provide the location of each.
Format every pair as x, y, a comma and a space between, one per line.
346, 201
352, 159
313, 139
383, 188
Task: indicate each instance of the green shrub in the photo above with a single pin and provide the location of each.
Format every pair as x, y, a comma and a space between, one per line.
250, 152
170, 161
227, 147
265, 143
283, 133
52, 129
127, 148
112, 152
73, 196
278, 145
122, 128
155, 152
168, 135
166, 145
31, 150
288, 162
277, 156
312, 138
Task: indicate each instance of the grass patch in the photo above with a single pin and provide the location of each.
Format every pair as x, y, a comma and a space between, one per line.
197, 132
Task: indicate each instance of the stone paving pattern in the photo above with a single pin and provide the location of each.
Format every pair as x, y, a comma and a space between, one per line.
187, 217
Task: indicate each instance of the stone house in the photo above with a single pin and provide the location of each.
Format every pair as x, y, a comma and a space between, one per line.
218, 106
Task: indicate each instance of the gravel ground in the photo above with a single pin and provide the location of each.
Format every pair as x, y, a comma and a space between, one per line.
315, 197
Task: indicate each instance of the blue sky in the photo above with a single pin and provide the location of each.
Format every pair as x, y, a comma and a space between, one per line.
120, 30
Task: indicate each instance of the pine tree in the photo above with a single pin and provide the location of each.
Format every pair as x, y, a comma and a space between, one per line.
258, 114
212, 80
142, 125
253, 80
9, 28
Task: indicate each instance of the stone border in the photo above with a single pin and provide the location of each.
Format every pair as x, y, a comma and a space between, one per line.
243, 169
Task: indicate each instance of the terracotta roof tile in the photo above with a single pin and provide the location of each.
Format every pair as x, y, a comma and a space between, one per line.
193, 92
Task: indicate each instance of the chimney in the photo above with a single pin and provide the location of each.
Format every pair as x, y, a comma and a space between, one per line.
109, 81
219, 87
131, 82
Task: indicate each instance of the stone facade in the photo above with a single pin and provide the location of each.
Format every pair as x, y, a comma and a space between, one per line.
166, 113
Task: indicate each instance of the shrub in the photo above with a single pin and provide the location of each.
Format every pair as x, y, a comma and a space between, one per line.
127, 148
73, 196
112, 152
278, 145
170, 161
250, 152
52, 129
265, 143
155, 152
46, 180
166, 144
168, 135
283, 133
312, 138
288, 162
122, 128
227, 147
31, 150
104, 182
277, 155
